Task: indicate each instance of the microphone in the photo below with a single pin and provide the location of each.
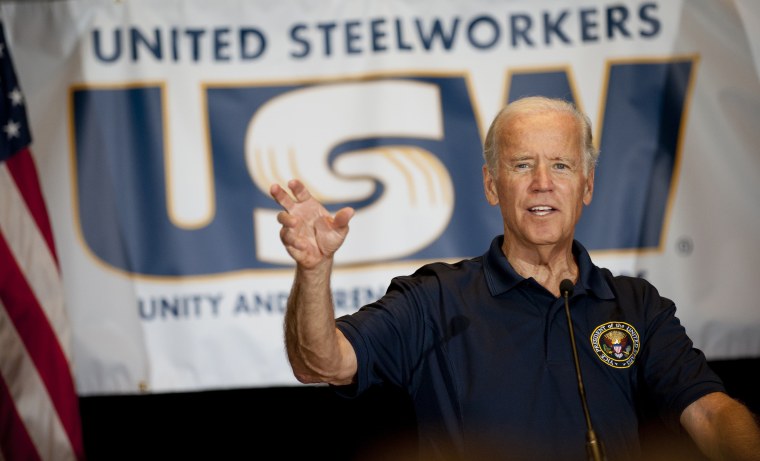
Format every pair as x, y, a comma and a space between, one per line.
594, 447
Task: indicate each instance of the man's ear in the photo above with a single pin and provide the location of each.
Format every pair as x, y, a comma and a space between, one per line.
489, 186
588, 188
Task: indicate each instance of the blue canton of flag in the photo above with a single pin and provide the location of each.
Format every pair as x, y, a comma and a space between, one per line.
12, 111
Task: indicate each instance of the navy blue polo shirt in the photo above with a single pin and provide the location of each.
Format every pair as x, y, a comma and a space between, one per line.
485, 356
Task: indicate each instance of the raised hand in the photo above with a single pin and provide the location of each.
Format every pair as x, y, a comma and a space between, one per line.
310, 234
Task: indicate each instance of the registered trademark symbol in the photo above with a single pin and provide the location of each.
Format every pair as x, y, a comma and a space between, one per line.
685, 245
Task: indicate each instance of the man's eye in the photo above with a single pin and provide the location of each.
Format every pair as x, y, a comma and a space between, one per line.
561, 166
521, 166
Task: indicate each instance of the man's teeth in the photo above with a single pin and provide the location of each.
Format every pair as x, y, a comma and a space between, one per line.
541, 210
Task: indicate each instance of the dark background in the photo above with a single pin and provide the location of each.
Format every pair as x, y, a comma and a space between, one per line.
308, 422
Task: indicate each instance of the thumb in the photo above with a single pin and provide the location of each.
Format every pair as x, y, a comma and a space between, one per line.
342, 217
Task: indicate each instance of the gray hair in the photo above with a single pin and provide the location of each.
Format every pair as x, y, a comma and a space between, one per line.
531, 105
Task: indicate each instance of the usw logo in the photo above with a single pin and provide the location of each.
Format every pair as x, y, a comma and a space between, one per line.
405, 151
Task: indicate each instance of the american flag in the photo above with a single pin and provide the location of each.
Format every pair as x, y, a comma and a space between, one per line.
39, 409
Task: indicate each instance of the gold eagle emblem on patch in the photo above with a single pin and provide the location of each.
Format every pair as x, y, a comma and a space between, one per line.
616, 344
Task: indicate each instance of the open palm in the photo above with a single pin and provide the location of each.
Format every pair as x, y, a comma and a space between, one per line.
309, 232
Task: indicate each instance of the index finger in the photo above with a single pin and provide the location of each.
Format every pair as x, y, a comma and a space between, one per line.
300, 192
281, 196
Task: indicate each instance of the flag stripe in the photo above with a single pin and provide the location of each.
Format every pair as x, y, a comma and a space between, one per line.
24, 173
30, 250
31, 294
14, 439
31, 399
34, 365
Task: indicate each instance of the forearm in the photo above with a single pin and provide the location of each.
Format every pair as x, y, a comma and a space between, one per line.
724, 430
738, 435
317, 351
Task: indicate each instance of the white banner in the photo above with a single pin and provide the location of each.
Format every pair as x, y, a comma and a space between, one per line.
158, 128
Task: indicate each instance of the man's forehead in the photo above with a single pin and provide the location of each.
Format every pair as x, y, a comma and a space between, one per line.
519, 155
538, 117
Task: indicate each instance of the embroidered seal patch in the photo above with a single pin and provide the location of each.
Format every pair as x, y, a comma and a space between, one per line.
616, 344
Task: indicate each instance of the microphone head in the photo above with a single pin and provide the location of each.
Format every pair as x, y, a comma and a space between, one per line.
566, 286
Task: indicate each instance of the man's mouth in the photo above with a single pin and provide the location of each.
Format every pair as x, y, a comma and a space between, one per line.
541, 210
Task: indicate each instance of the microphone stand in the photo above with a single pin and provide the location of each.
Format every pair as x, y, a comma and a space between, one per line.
594, 448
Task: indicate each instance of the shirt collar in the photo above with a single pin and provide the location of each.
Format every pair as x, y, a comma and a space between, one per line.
502, 277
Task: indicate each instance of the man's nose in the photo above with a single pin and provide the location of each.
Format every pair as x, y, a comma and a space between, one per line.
541, 178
